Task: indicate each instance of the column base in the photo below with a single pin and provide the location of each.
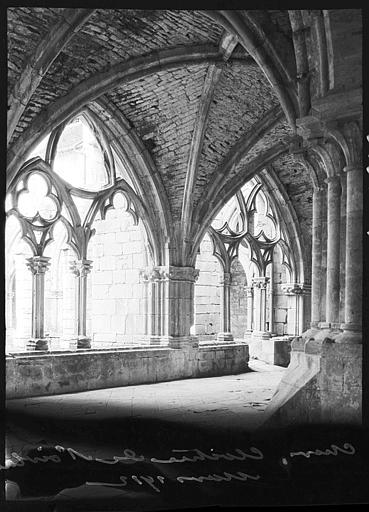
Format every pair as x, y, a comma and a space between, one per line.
248, 334
261, 335
157, 341
324, 325
182, 342
38, 344
73, 344
335, 326
83, 342
225, 336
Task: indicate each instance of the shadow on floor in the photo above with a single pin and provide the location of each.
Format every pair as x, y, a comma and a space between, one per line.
152, 464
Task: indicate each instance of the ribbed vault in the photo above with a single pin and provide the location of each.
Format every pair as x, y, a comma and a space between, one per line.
195, 102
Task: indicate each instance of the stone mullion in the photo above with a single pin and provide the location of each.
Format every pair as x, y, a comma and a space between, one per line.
333, 251
260, 285
257, 304
164, 290
225, 309
38, 265
250, 307
145, 308
271, 297
299, 313
155, 334
154, 294
81, 269
293, 306
38, 300
151, 308
159, 306
261, 310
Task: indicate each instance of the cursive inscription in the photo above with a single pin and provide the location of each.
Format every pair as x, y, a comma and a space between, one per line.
334, 450
19, 460
151, 481
225, 477
199, 456
129, 456
179, 456
154, 481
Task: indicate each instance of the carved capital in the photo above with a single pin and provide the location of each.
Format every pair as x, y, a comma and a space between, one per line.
153, 274
293, 288
38, 264
226, 278
81, 268
249, 291
172, 273
183, 274
260, 282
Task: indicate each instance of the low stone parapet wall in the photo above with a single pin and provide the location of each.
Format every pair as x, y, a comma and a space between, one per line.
275, 350
322, 384
66, 372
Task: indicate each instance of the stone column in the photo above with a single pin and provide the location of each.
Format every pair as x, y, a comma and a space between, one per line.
354, 270
179, 305
305, 306
225, 308
271, 299
260, 285
250, 307
343, 246
316, 256
333, 252
38, 265
81, 268
145, 305
155, 282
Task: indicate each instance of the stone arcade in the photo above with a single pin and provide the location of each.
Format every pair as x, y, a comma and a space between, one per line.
184, 193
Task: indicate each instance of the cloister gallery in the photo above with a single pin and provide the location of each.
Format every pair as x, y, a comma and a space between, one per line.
184, 195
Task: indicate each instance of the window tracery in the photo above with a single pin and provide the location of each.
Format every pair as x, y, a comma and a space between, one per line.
69, 181
249, 230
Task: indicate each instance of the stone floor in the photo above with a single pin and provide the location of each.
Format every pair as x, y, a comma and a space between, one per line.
228, 402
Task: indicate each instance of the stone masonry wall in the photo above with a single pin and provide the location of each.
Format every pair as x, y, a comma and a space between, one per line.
280, 306
116, 297
50, 374
238, 300
207, 291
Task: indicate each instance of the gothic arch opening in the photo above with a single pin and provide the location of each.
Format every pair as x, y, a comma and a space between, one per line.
258, 296
78, 229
